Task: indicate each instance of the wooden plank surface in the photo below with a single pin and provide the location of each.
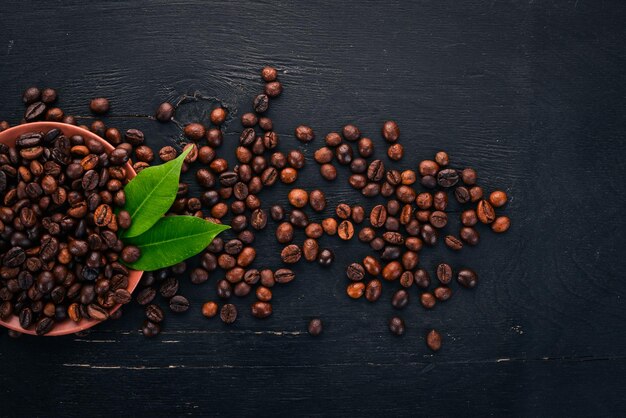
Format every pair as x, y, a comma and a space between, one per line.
532, 94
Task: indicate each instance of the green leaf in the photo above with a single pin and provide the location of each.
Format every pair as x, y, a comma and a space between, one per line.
151, 194
173, 239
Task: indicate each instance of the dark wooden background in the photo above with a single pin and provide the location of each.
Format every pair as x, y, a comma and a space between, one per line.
531, 93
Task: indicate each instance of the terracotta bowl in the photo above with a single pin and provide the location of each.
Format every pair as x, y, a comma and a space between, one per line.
8, 137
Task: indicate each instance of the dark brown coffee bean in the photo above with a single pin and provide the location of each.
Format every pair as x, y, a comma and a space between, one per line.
284, 276
422, 278
99, 105
35, 111
447, 177
291, 254
428, 234
395, 152
277, 213
154, 313
30, 95
355, 272
273, 89
400, 299
315, 327
376, 170
378, 216
150, 329
469, 176
469, 235
462, 194
228, 313
396, 326
326, 257
179, 304
44, 326
304, 133
284, 233
169, 287
365, 147
310, 249
344, 154
261, 103
351, 132
328, 172
390, 131
146, 296
467, 278
438, 219
164, 112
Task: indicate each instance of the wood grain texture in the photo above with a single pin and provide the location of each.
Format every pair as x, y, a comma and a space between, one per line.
532, 94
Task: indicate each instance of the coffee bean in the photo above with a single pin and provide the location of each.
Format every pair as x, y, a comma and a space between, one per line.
169, 287
332, 139
228, 313
326, 257
315, 327
179, 304
343, 211
298, 218
355, 290
99, 105
433, 340
453, 242
328, 172
498, 198
261, 103
462, 194
476, 193
355, 272
442, 158
351, 132
392, 271
427, 300
422, 278
444, 273
146, 296
284, 233
304, 133
395, 152
130, 254
298, 198
428, 168
438, 219
150, 329
209, 309
30, 95
469, 217
469, 176
501, 224
44, 326
378, 216
310, 249
447, 177
273, 89
261, 309
284, 276
442, 293
317, 200
485, 212
376, 170
164, 112
291, 254
154, 313
344, 154
428, 234
345, 230
269, 74
400, 299
223, 289
467, 278
396, 326
469, 235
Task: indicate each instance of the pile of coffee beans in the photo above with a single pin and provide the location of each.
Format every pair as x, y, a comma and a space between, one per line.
413, 216
60, 251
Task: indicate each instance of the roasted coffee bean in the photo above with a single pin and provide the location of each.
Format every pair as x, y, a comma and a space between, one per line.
469, 235
469, 217
442, 158
344, 154
378, 216
179, 304
164, 112
376, 170
304, 133
30, 95
444, 273
407, 279
314, 230
310, 249
323, 155
345, 230
288, 175
469, 176
476, 193
365, 147
400, 299
284, 233
392, 271
428, 234
440, 200
194, 131
146, 296
224, 289
394, 238
326, 257
273, 89
438, 219
367, 234
355, 290
467, 278
277, 212
395, 152
372, 265
261, 309
453, 242
291, 254
501, 224
377, 244
351, 132
390, 131
315, 327
433, 340
462, 194
209, 309
373, 290
228, 313
442, 293
328, 172
396, 326
422, 278
99, 105
34, 111
343, 211
154, 313
149, 329
298, 218
169, 287
284, 275
355, 272
498, 198
332, 139
44, 325
261, 103
447, 177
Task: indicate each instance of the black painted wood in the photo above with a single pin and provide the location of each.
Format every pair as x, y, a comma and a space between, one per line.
532, 94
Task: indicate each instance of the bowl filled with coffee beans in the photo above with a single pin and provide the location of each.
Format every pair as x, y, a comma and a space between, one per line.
63, 267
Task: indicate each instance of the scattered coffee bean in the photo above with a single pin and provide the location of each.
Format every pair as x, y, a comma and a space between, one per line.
315, 327
433, 340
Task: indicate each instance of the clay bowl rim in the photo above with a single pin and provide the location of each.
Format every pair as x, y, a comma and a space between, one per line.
8, 137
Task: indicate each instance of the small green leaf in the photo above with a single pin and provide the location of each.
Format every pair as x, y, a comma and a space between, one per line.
151, 194
171, 240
